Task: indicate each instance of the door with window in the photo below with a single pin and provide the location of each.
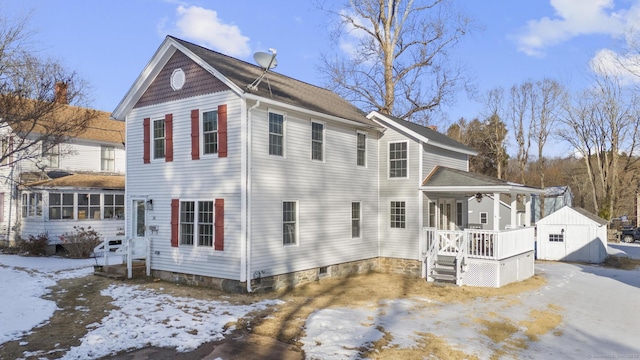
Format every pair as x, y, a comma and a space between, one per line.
138, 228
447, 219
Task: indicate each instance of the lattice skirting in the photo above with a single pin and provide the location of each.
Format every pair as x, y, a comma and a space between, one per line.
497, 273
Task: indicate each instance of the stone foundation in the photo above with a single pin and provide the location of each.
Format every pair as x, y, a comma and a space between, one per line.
410, 268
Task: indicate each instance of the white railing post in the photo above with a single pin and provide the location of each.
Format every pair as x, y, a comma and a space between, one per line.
147, 260
129, 259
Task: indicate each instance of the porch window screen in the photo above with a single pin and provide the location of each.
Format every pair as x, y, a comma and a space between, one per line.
289, 223
398, 160
355, 220
113, 206
205, 223
88, 206
362, 149
317, 139
276, 134
159, 139
31, 204
60, 206
398, 214
210, 132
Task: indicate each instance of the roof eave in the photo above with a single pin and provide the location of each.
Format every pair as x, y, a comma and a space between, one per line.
482, 189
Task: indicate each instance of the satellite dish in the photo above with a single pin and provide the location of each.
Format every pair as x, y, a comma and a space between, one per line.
265, 60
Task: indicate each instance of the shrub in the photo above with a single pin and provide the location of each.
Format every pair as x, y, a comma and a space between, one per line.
80, 242
35, 245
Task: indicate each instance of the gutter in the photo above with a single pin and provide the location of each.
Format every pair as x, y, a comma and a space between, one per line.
248, 198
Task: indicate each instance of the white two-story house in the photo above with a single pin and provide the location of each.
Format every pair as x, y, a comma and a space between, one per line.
79, 182
249, 188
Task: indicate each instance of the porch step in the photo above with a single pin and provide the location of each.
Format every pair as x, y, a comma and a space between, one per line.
444, 278
445, 269
119, 271
446, 260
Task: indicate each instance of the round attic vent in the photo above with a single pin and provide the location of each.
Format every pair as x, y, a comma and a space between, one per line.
177, 79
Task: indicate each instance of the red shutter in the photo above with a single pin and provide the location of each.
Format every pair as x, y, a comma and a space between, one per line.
219, 225
175, 216
222, 131
195, 134
168, 123
147, 140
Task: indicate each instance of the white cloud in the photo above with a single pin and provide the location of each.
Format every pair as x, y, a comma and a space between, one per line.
626, 67
572, 18
354, 35
203, 26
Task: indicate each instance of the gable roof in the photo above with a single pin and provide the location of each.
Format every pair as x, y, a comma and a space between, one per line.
560, 216
237, 74
444, 179
422, 133
590, 216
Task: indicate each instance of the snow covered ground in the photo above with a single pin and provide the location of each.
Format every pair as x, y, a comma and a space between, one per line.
599, 309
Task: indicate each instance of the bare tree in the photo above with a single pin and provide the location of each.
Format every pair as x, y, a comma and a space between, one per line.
601, 124
35, 98
399, 63
519, 104
548, 98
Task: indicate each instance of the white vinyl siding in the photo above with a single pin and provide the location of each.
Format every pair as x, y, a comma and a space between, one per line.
176, 180
323, 193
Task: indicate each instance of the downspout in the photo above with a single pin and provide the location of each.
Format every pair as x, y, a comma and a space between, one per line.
248, 200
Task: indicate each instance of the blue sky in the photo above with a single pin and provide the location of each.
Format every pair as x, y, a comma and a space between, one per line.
110, 42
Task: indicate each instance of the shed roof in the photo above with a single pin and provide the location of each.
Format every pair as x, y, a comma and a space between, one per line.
444, 179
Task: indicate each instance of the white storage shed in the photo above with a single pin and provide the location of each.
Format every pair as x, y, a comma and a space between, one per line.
572, 234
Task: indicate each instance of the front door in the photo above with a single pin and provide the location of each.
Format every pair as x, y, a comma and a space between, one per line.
139, 227
447, 214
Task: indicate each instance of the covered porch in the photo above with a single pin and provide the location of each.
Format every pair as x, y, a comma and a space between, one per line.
456, 250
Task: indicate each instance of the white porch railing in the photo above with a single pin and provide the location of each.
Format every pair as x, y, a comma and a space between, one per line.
483, 244
138, 249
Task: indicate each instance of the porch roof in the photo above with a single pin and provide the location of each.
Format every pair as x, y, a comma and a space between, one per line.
94, 181
448, 180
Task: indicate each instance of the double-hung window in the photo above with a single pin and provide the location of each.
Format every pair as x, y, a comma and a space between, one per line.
61, 206
159, 138
289, 223
276, 134
107, 158
484, 218
210, 132
51, 154
197, 223
398, 214
355, 220
398, 159
317, 141
361, 152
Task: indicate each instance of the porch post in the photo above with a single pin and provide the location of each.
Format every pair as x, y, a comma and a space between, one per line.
514, 210
496, 211
527, 210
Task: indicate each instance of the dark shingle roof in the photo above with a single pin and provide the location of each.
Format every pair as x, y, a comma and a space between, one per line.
283, 88
590, 216
444, 176
432, 135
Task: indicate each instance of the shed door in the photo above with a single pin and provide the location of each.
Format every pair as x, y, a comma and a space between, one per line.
578, 245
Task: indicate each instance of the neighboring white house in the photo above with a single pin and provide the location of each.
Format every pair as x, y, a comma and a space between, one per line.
254, 188
79, 182
572, 234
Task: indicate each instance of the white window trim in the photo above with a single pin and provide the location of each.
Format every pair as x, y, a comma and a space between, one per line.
284, 133
480, 218
366, 138
359, 219
152, 146
405, 215
195, 225
297, 227
324, 141
201, 132
389, 160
